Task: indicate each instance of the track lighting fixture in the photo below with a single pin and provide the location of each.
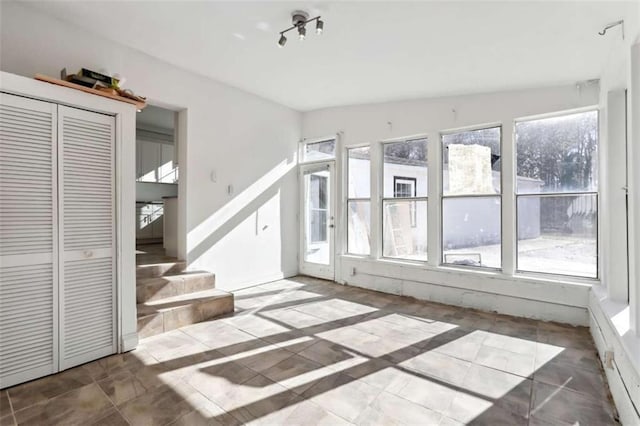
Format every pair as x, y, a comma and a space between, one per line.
282, 41
299, 21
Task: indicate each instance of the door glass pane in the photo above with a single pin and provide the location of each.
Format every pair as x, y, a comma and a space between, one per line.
558, 154
358, 232
471, 162
558, 234
405, 229
471, 231
317, 219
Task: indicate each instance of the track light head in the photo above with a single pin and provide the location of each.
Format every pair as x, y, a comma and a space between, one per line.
302, 32
319, 26
282, 41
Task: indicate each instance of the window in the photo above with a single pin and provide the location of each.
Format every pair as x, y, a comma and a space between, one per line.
557, 198
316, 151
359, 201
404, 187
471, 203
404, 203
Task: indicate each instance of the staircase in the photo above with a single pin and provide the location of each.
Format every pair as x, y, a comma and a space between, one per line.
170, 298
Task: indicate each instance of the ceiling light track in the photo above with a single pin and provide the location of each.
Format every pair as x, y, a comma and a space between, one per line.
299, 21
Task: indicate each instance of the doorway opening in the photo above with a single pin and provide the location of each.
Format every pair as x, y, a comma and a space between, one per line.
157, 180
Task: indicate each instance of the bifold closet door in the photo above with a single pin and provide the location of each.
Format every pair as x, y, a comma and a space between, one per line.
87, 246
28, 227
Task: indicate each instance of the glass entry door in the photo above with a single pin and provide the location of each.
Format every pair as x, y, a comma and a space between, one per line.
318, 212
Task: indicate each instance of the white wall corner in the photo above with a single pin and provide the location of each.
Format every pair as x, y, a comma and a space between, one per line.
634, 188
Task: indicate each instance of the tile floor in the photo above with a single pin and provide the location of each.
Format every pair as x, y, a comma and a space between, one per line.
305, 351
147, 254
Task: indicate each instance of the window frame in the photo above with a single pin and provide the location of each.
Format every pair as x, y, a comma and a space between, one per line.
306, 142
434, 262
596, 193
499, 195
383, 199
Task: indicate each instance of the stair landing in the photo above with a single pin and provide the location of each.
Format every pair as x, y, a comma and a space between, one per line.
169, 297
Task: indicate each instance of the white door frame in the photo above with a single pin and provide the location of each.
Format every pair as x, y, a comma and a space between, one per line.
309, 268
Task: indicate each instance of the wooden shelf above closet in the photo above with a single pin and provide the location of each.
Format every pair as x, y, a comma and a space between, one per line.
138, 104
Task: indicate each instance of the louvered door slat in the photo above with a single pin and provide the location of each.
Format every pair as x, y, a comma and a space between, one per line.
28, 223
86, 158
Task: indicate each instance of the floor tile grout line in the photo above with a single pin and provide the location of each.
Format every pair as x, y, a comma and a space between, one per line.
317, 382
572, 391
114, 404
384, 390
60, 394
13, 414
529, 413
212, 401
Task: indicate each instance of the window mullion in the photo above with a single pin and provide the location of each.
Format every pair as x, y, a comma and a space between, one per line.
376, 200
509, 234
434, 206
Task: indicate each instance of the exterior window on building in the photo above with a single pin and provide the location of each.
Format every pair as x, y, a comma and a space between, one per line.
404, 187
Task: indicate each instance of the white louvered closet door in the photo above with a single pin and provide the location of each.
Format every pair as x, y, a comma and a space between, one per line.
28, 227
87, 235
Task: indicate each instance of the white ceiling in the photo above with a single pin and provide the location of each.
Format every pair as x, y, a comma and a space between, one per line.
369, 52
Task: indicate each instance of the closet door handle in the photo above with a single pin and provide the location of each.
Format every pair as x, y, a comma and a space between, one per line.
88, 254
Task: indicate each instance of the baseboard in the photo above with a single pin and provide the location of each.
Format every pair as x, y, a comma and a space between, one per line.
129, 342
622, 377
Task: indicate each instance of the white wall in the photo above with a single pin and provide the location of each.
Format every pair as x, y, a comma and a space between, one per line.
614, 306
248, 236
375, 122
503, 292
614, 317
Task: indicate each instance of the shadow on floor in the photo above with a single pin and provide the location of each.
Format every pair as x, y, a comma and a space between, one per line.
307, 351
